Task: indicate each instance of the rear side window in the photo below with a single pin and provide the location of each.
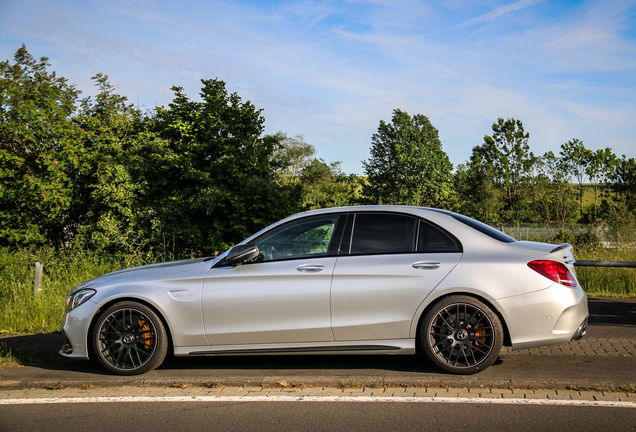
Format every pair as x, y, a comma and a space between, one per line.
484, 229
385, 233
431, 238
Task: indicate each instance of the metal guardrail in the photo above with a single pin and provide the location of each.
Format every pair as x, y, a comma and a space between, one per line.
627, 264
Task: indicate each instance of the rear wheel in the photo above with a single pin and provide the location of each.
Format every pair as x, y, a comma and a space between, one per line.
461, 335
129, 339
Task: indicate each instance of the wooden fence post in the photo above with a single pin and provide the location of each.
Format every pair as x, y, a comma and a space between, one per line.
37, 289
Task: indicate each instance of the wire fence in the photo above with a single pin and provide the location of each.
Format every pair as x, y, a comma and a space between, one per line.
608, 236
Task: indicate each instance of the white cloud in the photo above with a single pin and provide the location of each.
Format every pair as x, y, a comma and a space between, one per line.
499, 12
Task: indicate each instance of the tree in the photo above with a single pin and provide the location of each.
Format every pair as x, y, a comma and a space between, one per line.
599, 167
407, 163
325, 185
623, 180
508, 154
290, 157
574, 157
113, 210
214, 184
40, 151
550, 192
475, 193
623, 218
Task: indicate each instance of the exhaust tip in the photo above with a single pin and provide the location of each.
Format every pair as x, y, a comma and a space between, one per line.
581, 331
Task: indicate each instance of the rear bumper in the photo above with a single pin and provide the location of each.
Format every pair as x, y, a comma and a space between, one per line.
555, 315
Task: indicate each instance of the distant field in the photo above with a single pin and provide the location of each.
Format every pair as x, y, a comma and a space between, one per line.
588, 195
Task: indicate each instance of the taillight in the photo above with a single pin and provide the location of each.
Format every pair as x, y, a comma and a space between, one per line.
555, 271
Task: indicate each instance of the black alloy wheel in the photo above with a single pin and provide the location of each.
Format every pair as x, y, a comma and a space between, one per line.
129, 339
461, 335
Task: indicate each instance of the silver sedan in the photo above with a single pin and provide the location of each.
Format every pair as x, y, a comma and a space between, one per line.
369, 279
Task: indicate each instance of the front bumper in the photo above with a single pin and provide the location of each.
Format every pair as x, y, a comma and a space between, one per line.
76, 326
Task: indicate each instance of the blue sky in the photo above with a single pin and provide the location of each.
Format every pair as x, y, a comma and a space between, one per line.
331, 70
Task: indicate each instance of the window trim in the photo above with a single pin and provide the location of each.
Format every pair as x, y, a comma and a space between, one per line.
347, 238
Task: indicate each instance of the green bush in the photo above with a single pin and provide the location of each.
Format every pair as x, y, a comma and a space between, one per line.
564, 236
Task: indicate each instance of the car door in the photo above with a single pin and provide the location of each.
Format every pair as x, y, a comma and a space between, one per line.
281, 297
391, 263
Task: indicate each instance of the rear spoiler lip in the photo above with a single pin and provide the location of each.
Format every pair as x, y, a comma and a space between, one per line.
561, 247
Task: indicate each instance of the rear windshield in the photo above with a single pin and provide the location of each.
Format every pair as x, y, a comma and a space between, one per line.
485, 229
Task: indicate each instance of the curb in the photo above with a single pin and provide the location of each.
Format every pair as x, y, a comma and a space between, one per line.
382, 394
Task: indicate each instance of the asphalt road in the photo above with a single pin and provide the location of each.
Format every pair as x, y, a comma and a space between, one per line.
317, 416
588, 363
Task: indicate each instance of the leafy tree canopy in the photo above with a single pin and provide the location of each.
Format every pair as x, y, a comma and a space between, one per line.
507, 154
214, 185
407, 163
40, 151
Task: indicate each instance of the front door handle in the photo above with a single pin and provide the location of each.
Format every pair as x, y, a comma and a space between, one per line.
426, 265
310, 268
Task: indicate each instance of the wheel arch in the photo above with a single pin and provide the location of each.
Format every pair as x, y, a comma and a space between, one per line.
429, 306
98, 312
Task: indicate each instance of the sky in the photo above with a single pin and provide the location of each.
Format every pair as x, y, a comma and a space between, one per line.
332, 70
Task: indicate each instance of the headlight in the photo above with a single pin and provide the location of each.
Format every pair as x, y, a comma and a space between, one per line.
77, 298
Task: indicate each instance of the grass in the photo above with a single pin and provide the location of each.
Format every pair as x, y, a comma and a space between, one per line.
25, 313
8, 357
58, 386
625, 389
17, 357
22, 311
605, 281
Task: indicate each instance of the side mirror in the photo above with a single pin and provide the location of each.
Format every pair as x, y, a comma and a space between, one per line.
240, 254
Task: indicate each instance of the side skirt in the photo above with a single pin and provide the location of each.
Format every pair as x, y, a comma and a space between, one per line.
400, 346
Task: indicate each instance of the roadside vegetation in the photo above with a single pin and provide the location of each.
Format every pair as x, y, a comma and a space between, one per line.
605, 281
93, 185
25, 312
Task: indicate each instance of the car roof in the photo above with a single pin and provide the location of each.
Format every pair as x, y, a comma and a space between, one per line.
390, 208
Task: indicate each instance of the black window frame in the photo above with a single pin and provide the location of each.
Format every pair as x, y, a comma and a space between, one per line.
345, 247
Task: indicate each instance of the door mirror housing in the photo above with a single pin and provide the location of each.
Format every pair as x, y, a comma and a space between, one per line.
240, 254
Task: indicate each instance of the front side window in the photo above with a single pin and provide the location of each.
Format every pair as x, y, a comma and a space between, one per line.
298, 239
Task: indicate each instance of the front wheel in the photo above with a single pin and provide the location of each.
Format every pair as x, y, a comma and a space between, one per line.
461, 335
129, 339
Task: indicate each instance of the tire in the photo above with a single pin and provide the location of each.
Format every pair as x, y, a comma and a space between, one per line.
129, 339
461, 335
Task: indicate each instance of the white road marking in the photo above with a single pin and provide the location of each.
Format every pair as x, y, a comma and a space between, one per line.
358, 399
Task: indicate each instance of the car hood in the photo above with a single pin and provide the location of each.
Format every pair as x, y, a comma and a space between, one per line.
150, 270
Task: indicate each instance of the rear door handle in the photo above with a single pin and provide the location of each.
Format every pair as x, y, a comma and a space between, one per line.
426, 265
310, 268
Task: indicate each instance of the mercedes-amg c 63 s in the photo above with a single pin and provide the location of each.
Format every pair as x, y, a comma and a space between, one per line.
368, 279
